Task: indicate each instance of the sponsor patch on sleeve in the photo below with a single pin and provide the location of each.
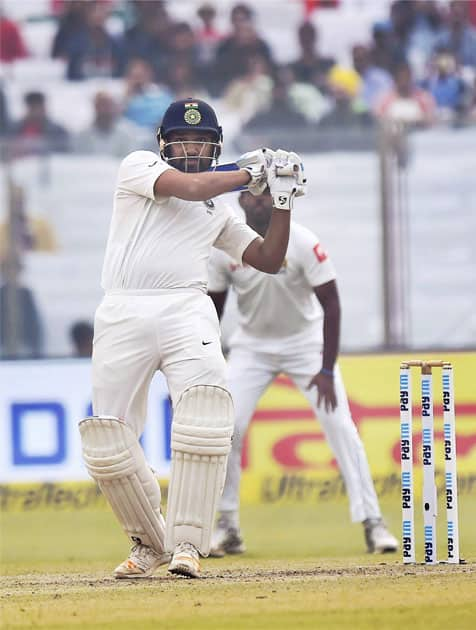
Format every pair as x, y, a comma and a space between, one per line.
320, 253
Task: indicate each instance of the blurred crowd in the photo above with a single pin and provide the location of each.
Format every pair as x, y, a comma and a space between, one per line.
415, 68
418, 66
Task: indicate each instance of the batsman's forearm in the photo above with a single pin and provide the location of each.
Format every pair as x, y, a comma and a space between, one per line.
211, 184
275, 243
268, 254
331, 333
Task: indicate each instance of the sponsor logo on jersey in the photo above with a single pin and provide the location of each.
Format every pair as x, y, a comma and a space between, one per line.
321, 255
210, 206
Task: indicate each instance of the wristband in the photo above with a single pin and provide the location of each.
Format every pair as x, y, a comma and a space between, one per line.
327, 372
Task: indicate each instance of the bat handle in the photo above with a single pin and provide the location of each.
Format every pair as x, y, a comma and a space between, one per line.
229, 166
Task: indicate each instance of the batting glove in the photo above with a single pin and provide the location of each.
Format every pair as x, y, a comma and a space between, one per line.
283, 190
289, 163
285, 178
255, 163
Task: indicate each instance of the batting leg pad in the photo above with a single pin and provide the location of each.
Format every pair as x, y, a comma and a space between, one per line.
201, 440
115, 459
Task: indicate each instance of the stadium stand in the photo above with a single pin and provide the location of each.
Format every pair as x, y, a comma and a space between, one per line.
344, 205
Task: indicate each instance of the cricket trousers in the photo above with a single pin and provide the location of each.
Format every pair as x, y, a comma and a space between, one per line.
250, 373
138, 333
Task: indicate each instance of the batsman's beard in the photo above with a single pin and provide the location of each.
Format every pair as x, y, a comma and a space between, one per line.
195, 163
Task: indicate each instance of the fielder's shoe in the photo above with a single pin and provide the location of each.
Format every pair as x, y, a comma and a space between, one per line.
185, 561
142, 562
226, 540
378, 538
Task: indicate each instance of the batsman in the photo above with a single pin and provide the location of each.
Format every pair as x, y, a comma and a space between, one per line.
156, 315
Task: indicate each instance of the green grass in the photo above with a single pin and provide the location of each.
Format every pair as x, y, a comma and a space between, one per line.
305, 568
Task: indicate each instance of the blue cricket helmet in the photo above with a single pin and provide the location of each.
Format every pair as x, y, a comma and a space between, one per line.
189, 113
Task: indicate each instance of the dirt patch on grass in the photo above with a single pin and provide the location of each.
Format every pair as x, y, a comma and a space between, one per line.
326, 573
35, 584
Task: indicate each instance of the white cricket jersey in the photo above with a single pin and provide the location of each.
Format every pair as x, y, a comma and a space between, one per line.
282, 310
164, 242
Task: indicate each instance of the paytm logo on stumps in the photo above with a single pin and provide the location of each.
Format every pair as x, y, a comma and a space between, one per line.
425, 398
448, 442
38, 433
407, 539
429, 546
446, 393
406, 490
427, 442
405, 441
404, 393
451, 540
450, 503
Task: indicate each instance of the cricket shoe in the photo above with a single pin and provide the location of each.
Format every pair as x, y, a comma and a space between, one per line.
141, 563
226, 540
185, 561
378, 538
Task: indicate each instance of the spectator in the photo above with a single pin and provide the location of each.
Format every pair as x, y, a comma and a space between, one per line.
108, 134
447, 88
344, 86
307, 98
311, 66
183, 48
234, 50
374, 81
72, 22
81, 334
402, 19
36, 133
90, 51
460, 36
22, 232
20, 325
251, 93
385, 51
208, 36
427, 27
184, 80
149, 38
281, 113
182, 42
12, 46
145, 101
304, 98
406, 102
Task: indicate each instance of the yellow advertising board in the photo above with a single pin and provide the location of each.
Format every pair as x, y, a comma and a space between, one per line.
57, 496
286, 457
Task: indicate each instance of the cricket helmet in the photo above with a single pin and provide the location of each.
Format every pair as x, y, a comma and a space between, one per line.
189, 114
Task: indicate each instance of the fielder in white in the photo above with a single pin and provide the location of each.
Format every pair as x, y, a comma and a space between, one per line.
156, 315
289, 322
